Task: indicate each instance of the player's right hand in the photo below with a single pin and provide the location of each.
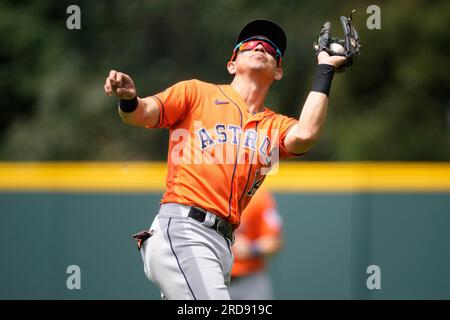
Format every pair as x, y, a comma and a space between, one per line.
120, 84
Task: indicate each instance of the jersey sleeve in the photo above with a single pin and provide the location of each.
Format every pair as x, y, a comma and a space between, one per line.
174, 102
285, 124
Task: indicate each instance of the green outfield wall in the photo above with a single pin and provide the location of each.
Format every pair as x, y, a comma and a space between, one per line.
331, 238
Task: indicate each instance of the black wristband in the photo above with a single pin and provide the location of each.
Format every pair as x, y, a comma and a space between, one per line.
322, 78
128, 106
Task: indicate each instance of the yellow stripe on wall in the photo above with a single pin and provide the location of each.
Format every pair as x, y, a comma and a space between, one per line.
83, 176
291, 176
357, 176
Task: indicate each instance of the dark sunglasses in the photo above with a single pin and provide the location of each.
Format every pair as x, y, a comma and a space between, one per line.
251, 43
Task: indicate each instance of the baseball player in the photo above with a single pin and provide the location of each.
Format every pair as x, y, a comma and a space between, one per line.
258, 237
222, 140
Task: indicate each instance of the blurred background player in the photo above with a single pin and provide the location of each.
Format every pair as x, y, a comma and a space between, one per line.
258, 237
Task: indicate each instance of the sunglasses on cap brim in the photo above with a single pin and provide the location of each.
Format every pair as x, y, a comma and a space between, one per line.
252, 42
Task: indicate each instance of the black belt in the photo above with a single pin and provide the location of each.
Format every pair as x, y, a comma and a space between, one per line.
221, 226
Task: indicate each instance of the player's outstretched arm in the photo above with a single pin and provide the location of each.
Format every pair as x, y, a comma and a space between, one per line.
134, 111
306, 132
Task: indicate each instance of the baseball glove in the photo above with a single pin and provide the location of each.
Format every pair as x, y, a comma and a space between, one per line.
347, 47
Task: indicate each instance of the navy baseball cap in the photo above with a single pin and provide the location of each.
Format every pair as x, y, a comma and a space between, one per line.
266, 28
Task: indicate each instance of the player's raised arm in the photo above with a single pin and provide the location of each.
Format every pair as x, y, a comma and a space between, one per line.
332, 55
132, 109
307, 131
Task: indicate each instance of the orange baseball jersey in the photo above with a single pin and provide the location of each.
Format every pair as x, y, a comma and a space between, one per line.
218, 151
259, 219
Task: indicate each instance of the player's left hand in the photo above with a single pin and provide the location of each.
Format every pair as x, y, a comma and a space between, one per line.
336, 61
